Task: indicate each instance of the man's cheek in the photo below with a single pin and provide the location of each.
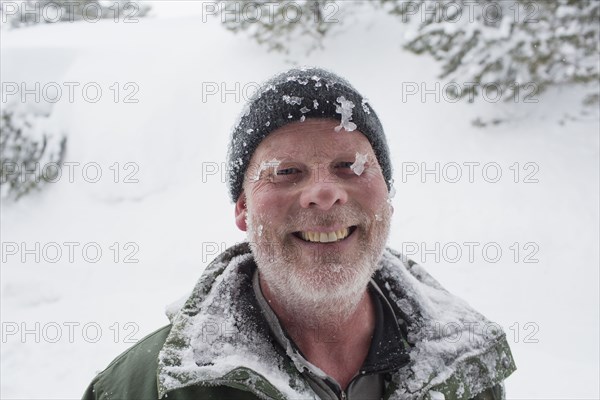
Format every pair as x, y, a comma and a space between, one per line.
291, 253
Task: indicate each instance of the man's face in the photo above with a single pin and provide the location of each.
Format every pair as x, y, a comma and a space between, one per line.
317, 226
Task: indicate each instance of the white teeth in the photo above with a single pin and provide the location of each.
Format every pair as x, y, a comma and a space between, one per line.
325, 237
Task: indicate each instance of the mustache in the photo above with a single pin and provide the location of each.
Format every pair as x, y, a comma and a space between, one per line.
347, 215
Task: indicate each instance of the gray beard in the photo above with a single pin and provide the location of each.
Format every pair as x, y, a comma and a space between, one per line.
323, 287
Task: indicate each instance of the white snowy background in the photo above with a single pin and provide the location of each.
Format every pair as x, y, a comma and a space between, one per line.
62, 322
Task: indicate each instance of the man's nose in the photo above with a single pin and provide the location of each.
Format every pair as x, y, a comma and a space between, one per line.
323, 192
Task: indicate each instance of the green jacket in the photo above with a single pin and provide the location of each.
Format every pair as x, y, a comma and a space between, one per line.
218, 345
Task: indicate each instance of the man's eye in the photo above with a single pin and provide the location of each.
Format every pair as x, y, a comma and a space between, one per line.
344, 164
287, 171
287, 175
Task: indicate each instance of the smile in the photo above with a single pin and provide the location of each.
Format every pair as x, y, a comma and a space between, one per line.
325, 237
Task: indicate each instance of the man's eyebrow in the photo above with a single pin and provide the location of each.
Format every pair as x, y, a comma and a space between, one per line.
287, 156
277, 156
280, 155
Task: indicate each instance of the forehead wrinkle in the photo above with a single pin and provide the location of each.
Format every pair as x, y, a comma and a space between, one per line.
304, 141
315, 152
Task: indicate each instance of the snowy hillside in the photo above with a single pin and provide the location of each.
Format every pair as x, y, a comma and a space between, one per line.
90, 262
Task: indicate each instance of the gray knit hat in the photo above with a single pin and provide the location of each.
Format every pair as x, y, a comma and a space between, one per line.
293, 96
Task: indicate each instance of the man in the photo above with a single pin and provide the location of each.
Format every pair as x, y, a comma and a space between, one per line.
314, 306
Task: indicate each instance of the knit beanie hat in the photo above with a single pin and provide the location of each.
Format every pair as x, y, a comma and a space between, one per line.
293, 96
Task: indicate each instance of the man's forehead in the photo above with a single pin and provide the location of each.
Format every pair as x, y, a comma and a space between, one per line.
314, 138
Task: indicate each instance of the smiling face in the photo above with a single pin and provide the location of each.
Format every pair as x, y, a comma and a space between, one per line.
315, 206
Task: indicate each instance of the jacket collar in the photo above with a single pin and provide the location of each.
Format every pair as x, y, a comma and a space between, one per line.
219, 337
455, 350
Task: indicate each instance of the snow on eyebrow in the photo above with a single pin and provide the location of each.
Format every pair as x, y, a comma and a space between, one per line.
359, 163
345, 108
274, 163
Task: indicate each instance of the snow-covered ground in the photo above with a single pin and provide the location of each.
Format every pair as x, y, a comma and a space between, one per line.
63, 321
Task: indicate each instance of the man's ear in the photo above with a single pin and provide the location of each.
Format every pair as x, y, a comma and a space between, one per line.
241, 212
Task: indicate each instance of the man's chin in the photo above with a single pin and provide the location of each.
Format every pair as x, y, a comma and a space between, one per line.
329, 283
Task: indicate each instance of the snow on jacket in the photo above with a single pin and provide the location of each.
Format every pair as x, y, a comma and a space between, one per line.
218, 345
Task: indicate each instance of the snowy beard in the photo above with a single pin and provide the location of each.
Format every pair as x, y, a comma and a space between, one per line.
324, 286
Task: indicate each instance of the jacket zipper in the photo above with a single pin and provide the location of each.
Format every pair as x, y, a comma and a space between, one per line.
343, 395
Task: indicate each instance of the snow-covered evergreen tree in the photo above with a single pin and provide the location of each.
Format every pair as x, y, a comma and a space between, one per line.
30, 153
278, 24
518, 47
511, 44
